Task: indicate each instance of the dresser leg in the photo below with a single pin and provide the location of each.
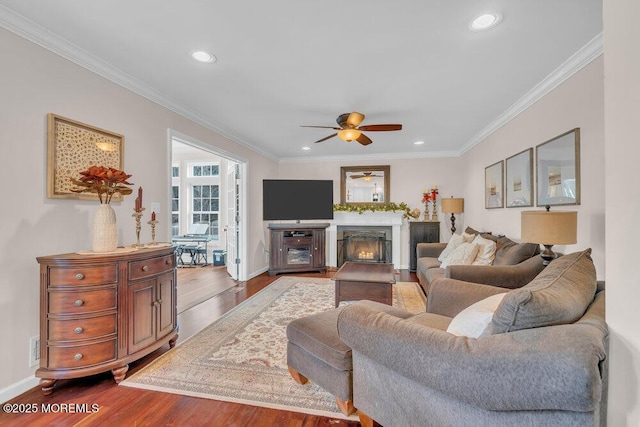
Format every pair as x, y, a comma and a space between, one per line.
47, 385
119, 373
172, 342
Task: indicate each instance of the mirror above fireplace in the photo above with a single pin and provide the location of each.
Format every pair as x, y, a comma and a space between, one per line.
365, 184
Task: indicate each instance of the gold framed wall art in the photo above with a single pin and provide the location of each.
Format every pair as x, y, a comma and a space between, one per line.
73, 147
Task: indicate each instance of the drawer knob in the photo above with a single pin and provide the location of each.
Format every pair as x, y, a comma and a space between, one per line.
79, 276
145, 268
77, 356
78, 330
79, 303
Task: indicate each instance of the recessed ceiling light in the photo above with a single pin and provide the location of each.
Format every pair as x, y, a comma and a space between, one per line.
485, 21
202, 56
419, 142
306, 148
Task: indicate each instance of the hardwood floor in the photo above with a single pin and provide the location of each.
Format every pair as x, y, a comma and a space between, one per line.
72, 400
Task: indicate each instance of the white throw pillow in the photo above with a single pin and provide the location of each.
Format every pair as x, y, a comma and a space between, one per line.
473, 320
462, 255
468, 237
486, 251
455, 241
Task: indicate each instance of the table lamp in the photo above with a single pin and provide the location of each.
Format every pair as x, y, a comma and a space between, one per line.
453, 206
549, 228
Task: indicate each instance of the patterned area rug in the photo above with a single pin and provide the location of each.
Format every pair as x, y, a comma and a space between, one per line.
242, 357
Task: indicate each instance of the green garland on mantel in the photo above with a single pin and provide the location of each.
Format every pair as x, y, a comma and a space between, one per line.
374, 207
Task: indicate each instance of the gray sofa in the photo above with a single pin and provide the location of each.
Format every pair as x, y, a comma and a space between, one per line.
515, 264
542, 360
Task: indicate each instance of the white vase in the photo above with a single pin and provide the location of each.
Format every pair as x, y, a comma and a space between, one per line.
105, 229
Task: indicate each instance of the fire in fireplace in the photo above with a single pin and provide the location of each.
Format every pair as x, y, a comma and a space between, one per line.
364, 244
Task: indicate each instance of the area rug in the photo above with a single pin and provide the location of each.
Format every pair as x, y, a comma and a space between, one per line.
242, 357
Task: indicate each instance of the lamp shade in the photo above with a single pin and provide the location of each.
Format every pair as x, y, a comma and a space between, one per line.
349, 134
453, 205
549, 227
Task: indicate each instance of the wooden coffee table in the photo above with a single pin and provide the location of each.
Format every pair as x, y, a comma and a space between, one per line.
365, 280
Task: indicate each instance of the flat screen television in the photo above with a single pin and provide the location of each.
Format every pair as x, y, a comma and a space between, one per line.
291, 199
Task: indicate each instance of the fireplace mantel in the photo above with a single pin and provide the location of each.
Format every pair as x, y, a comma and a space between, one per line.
391, 219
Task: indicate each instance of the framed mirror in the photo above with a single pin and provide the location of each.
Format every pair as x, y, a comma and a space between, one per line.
365, 184
558, 170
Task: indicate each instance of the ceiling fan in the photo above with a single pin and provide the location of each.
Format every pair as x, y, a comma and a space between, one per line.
366, 175
350, 129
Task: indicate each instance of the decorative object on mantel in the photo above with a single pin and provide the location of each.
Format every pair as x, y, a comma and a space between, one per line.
137, 214
549, 228
361, 208
105, 182
453, 206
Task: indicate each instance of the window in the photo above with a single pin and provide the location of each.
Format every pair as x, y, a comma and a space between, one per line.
175, 210
206, 207
175, 171
205, 170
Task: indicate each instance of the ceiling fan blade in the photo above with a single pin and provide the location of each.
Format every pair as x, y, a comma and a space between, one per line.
357, 176
320, 127
364, 139
355, 119
379, 128
328, 137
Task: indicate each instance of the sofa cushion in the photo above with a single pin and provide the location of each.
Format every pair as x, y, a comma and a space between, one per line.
486, 251
560, 294
509, 252
473, 320
463, 254
455, 241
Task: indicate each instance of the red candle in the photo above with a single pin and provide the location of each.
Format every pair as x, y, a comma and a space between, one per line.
153, 216
140, 195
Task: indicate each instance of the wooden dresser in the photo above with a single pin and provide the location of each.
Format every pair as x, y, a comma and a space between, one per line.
100, 312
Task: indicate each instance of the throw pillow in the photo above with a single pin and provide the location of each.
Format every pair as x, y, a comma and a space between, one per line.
511, 253
486, 251
463, 254
560, 294
455, 241
473, 320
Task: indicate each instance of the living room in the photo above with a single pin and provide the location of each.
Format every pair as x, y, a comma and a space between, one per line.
599, 96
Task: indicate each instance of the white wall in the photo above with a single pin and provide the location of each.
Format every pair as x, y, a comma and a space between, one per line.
34, 82
577, 102
622, 151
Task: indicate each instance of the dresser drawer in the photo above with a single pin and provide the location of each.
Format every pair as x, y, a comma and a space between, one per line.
72, 276
298, 240
150, 267
81, 355
80, 329
78, 302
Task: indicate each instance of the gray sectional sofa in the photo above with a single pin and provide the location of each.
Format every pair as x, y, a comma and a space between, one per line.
542, 359
515, 264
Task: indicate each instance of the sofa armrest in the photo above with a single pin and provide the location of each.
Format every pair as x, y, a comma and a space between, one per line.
505, 276
448, 297
549, 368
432, 250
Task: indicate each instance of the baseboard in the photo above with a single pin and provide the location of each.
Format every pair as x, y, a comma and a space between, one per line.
16, 389
257, 273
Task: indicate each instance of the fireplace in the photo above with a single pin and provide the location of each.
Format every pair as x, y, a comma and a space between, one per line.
364, 244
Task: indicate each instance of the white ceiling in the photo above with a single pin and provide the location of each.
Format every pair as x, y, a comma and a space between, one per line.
285, 63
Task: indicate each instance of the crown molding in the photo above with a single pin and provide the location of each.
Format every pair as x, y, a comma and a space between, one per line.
39, 35
365, 157
587, 54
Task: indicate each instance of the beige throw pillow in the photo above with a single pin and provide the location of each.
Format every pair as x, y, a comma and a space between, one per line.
486, 251
473, 320
462, 255
455, 241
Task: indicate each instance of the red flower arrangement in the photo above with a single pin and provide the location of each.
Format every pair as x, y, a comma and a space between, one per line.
103, 181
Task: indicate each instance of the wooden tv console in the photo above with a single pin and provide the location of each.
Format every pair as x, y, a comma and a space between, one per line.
297, 248
101, 312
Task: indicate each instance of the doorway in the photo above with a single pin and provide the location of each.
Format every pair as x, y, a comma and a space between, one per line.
208, 188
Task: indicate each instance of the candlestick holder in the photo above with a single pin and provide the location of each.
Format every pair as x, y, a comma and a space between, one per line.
426, 210
153, 223
137, 214
434, 212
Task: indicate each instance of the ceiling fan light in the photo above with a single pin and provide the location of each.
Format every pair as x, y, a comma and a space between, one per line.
349, 134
